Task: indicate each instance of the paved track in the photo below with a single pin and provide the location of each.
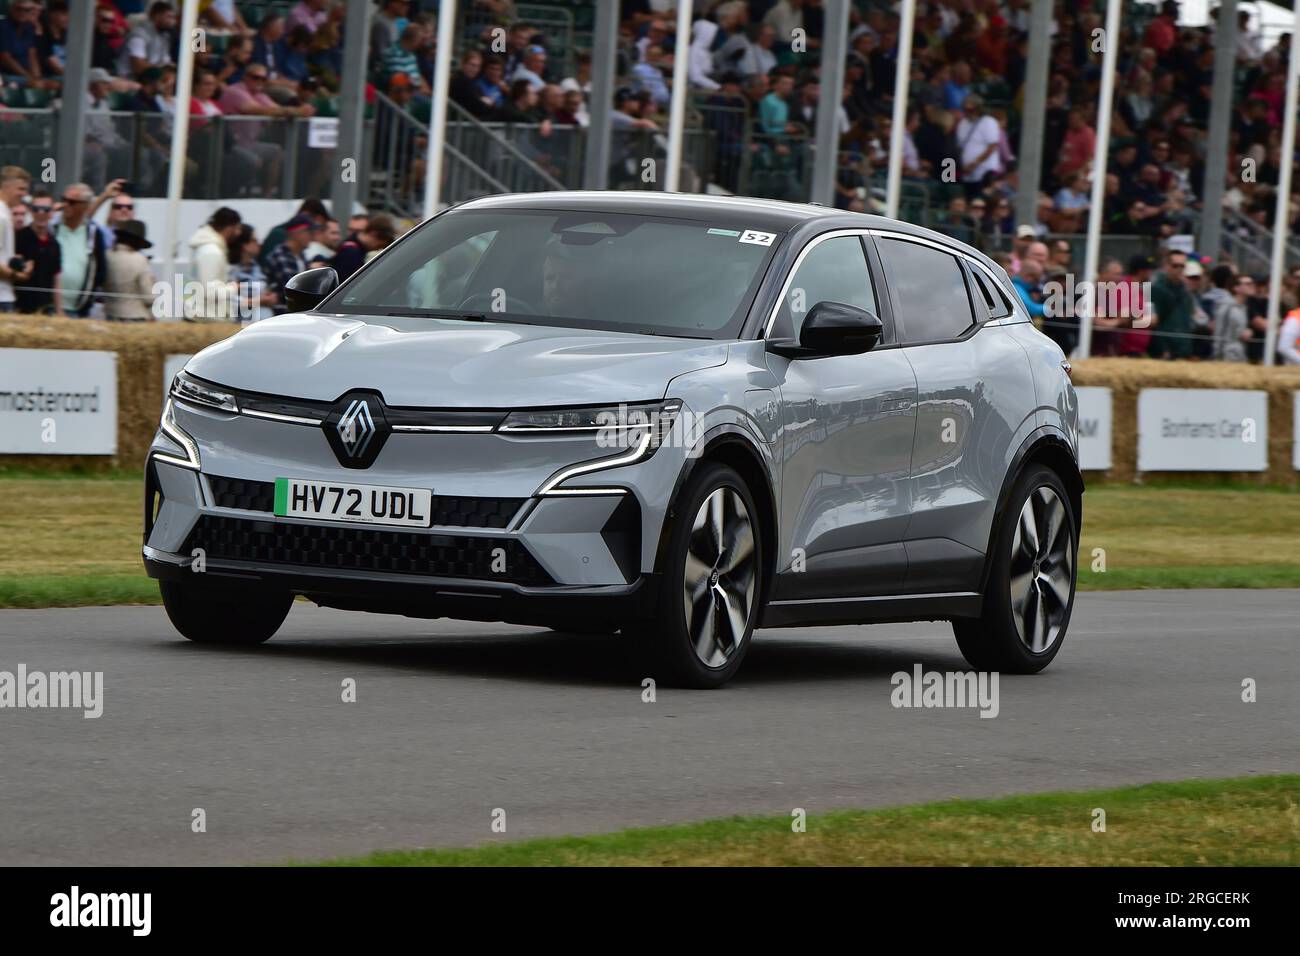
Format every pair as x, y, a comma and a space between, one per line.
453, 720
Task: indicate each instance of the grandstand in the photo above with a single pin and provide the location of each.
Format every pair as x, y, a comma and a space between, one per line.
997, 146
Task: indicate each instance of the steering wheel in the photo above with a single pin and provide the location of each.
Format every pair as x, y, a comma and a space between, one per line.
484, 301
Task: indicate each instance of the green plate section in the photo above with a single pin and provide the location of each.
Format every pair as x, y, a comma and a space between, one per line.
282, 496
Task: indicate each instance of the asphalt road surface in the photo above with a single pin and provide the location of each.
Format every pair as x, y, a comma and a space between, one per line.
454, 720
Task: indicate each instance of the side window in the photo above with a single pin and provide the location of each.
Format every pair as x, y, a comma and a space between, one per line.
994, 297
931, 290
833, 271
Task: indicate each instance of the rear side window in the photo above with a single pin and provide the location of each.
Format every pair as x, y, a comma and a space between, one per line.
994, 297
930, 287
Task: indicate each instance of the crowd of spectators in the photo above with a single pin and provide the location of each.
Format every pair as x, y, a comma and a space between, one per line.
55, 259
284, 66
754, 73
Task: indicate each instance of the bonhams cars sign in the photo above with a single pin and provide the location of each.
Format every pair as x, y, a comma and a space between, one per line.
58, 402
1202, 429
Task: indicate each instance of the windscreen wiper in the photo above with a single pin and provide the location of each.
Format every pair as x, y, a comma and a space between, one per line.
420, 313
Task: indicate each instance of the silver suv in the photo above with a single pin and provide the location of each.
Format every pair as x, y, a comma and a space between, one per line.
675, 417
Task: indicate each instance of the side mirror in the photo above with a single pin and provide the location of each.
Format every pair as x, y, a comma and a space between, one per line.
308, 289
833, 328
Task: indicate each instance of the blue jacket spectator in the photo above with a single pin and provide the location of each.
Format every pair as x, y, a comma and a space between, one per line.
1026, 283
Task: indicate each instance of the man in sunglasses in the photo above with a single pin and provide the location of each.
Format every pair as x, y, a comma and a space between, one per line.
82, 249
36, 243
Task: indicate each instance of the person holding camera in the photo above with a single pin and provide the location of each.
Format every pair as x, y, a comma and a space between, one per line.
14, 270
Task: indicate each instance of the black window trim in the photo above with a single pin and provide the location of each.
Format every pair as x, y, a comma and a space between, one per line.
989, 288
884, 305
964, 262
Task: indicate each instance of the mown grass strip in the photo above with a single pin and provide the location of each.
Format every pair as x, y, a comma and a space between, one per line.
1249, 821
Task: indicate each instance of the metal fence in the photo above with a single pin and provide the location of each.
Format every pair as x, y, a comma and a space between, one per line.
228, 157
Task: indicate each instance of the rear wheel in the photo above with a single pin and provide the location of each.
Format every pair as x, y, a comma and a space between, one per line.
1030, 590
206, 616
711, 584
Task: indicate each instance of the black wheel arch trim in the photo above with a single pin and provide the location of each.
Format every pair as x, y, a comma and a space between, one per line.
1047, 445
732, 439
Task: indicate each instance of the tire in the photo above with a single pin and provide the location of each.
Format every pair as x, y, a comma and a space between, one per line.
1034, 558
237, 618
726, 575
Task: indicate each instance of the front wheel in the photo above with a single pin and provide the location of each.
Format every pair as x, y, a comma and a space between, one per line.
706, 614
1030, 589
210, 617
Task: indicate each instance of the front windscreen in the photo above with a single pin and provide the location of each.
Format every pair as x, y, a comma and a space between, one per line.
569, 269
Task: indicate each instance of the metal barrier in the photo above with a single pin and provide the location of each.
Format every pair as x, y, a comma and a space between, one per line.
524, 156
227, 156
779, 167
726, 121
1250, 244
28, 137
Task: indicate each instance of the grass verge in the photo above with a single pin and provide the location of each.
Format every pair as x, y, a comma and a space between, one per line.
1252, 821
77, 590
74, 539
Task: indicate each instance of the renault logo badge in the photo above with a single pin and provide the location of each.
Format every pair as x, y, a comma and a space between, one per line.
357, 429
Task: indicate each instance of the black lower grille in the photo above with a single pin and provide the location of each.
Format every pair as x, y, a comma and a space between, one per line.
448, 511
365, 549
242, 493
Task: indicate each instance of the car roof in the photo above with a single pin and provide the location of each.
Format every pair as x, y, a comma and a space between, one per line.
773, 213
767, 214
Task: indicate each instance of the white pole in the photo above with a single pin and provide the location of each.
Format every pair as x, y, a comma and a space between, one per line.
1281, 218
180, 139
677, 105
1092, 247
438, 116
902, 84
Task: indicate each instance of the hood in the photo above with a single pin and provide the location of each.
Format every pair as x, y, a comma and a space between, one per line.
444, 363
205, 235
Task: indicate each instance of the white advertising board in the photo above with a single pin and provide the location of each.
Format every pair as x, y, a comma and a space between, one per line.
58, 402
1202, 429
1095, 419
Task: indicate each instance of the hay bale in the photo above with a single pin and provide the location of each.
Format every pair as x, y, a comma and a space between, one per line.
141, 349
1127, 377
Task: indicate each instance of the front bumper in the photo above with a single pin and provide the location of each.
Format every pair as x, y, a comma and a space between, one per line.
497, 550
429, 597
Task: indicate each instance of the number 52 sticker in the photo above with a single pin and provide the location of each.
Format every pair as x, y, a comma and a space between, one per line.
757, 238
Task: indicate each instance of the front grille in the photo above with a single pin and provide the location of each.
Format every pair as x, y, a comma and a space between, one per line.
365, 549
448, 511
242, 493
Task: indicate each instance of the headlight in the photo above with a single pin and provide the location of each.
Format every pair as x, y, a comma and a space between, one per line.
602, 420
190, 389
181, 437
636, 430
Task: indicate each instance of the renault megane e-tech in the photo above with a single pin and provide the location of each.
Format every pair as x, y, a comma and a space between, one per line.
677, 418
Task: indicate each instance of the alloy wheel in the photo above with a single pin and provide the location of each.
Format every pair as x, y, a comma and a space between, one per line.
1042, 569
719, 579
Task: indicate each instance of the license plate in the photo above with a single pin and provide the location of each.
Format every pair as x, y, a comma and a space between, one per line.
370, 504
